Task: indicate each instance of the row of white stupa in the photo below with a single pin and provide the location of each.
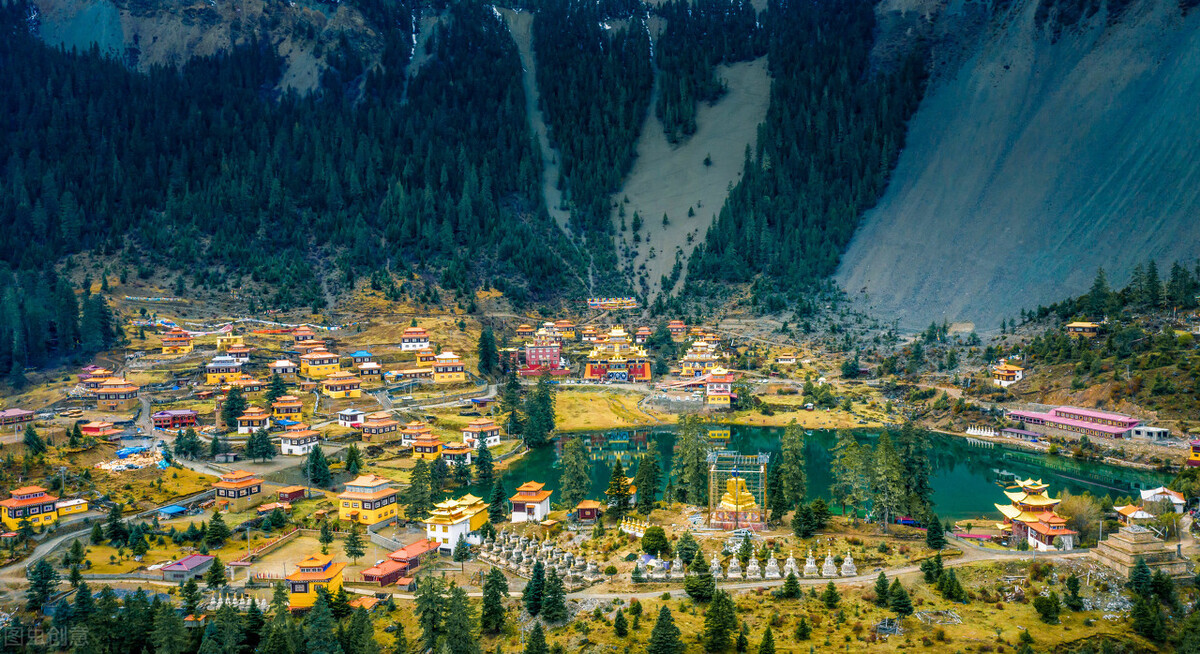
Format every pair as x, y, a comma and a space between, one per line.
771, 571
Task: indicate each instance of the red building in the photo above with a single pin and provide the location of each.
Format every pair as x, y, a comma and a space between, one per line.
175, 418
543, 353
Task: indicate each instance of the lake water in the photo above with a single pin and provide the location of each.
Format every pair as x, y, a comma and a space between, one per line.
966, 479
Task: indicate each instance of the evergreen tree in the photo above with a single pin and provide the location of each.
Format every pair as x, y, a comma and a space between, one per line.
913, 446
534, 590
882, 594
539, 412
687, 548
215, 577
169, 635
114, 526
354, 544
419, 497
34, 445
400, 644
233, 407
803, 629
498, 504
354, 460
191, 596
935, 537
484, 466
719, 622
461, 624
887, 481
325, 537
847, 468
259, 446
276, 389
620, 624
795, 477
495, 590
217, 532
320, 628
898, 600
647, 479
97, 535
1072, 599
692, 461
76, 438
554, 599
216, 446
618, 492
830, 596
700, 584
430, 610
1099, 298
536, 644
767, 646
777, 501
664, 638
1147, 617
1140, 579
1048, 608
43, 580
317, 468
489, 357
791, 587
576, 469
510, 403
254, 624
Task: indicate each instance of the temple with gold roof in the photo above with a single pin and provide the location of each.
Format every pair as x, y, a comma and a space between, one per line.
1030, 515
737, 509
617, 358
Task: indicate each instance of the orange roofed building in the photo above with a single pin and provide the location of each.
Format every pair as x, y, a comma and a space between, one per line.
239, 489
312, 574
176, 341
115, 394
531, 503
368, 500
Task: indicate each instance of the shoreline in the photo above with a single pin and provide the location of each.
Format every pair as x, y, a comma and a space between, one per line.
1026, 446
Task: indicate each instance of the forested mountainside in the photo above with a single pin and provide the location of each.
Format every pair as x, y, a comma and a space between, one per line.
1055, 138
833, 130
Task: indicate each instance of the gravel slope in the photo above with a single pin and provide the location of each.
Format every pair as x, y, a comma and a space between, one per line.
1032, 164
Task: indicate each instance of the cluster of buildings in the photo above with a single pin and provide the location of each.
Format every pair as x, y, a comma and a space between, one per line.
1030, 516
111, 393
1069, 420
38, 506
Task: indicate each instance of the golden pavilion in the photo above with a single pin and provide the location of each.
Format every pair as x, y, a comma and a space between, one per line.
1030, 515
737, 509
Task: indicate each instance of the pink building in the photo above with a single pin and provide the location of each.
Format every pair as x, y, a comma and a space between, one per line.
1088, 422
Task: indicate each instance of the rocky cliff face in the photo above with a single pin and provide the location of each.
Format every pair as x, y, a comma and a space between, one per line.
150, 32
1052, 140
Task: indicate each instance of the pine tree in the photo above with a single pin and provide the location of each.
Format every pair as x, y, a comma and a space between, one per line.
803, 629
419, 498
777, 501
620, 624
664, 638
430, 609
1099, 298
539, 412
34, 445
354, 460
700, 584
536, 644
215, 577
554, 599
259, 446
43, 579
532, 596
1147, 618
795, 477
687, 548
191, 596
935, 537
114, 526
461, 627
233, 407
767, 646
791, 587
692, 464
276, 389
847, 470
495, 590
215, 446
354, 544
830, 596
803, 525
898, 600
484, 466
882, 594
498, 504
576, 468
169, 635
320, 628
887, 481
1071, 598
618, 492
913, 446
719, 622
1140, 579
489, 358
648, 479
76, 438
400, 644
325, 537
217, 532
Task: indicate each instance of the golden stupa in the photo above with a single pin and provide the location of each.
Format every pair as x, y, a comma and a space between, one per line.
737, 497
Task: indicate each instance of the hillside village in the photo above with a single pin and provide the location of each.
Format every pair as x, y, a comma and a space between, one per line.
363, 465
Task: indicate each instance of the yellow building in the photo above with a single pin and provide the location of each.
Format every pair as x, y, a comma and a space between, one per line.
319, 364
288, 407
226, 341
313, 574
427, 447
718, 388
341, 385
615, 358
448, 368
565, 329
222, 370
452, 519
1084, 329
1006, 374
239, 490
176, 341
368, 500
700, 359
116, 395
285, 368
39, 507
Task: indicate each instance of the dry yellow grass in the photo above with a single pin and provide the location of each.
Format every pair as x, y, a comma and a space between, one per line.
580, 410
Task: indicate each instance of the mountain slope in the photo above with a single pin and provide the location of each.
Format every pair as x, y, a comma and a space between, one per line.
1036, 161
